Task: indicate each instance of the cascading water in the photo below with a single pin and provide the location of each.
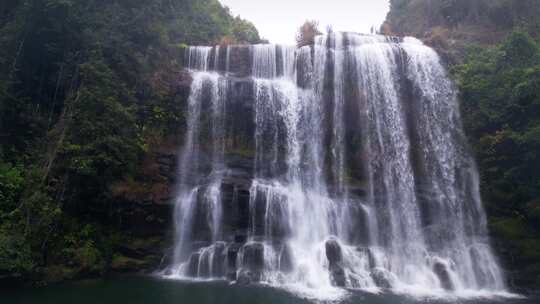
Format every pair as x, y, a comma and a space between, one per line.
341, 164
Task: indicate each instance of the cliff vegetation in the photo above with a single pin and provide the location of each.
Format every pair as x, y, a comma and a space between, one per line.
89, 114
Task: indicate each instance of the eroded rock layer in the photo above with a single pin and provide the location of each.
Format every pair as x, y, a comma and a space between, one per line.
338, 164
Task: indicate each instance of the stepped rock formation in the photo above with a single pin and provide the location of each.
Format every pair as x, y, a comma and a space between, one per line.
341, 164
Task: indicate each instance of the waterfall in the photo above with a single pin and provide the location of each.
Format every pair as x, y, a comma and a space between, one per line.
337, 165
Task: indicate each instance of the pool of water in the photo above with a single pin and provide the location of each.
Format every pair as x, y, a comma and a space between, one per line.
149, 290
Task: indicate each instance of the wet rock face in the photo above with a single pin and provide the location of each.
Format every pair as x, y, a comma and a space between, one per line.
143, 213
144, 208
370, 256
219, 260
193, 265
235, 199
352, 153
253, 257
285, 260
183, 84
240, 55
251, 264
240, 120
232, 254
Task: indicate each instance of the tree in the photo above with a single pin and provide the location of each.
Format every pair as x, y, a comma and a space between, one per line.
500, 92
307, 33
86, 87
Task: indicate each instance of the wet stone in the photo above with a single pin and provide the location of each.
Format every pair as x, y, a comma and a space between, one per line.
193, 265
441, 270
380, 278
367, 252
333, 251
218, 262
285, 260
253, 257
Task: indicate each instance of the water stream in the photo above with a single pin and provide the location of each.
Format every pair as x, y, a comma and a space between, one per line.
331, 167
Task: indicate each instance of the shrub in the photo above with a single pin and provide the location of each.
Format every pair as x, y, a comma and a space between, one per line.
307, 33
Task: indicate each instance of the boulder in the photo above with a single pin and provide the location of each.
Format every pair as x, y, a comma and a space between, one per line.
333, 251
381, 278
335, 258
231, 276
252, 264
337, 276
245, 277
441, 270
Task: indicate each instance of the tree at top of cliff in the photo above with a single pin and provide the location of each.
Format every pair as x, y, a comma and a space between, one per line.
307, 33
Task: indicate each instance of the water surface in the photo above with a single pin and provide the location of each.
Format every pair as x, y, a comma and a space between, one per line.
148, 290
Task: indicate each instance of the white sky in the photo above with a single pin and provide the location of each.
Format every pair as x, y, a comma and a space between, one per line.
278, 20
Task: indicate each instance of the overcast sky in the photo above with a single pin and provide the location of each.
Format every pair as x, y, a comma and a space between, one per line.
278, 20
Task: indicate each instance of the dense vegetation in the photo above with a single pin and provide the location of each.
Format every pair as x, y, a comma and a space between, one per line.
417, 17
500, 89
87, 91
451, 25
87, 88
492, 49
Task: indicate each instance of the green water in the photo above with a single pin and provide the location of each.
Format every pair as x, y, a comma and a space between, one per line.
145, 290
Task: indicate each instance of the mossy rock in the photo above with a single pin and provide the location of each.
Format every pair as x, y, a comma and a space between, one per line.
140, 248
121, 263
58, 273
145, 242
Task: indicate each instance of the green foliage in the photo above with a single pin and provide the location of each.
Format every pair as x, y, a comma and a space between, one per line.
25, 217
104, 144
85, 86
15, 253
476, 18
83, 249
519, 51
11, 185
500, 92
501, 106
493, 47
245, 31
